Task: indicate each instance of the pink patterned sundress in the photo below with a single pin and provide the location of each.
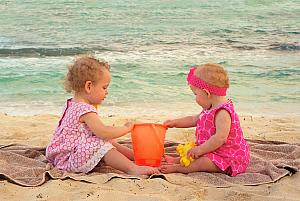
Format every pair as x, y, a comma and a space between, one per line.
74, 148
233, 156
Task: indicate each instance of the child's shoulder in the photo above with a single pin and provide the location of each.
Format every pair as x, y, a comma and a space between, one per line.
82, 107
227, 106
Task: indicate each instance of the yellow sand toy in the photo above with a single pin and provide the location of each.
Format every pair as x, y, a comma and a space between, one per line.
182, 150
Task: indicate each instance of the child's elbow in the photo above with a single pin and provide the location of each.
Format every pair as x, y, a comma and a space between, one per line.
222, 140
105, 138
103, 135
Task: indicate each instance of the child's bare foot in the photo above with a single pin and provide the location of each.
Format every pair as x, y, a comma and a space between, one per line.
168, 168
171, 159
142, 170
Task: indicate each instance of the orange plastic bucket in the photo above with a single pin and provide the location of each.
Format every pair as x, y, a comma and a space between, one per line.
148, 141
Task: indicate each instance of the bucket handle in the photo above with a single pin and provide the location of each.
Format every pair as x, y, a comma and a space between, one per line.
158, 138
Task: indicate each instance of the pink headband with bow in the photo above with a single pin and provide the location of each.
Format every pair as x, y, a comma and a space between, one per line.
199, 83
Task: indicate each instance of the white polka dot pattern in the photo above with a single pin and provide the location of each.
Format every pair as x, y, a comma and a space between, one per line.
73, 147
232, 157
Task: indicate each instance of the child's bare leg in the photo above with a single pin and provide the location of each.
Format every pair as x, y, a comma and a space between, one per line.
118, 161
202, 164
172, 159
123, 150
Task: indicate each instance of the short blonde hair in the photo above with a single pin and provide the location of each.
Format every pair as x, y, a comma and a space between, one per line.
214, 74
84, 68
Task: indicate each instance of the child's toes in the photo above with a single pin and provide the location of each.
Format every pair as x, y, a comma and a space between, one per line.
155, 171
162, 168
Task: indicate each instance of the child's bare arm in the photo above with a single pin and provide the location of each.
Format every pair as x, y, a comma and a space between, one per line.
223, 123
102, 131
184, 122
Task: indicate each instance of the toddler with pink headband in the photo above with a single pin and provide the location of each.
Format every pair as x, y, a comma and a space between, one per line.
220, 144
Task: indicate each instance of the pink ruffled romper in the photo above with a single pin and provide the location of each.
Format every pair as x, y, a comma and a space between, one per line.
233, 156
74, 147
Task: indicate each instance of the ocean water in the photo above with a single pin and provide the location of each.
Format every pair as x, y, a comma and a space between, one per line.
150, 46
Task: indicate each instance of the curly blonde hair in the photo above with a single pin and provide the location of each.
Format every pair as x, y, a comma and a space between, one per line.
214, 74
84, 68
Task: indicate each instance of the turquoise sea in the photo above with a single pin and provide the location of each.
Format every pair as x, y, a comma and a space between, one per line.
150, 46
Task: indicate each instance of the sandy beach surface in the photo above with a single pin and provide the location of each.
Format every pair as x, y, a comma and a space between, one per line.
37, 130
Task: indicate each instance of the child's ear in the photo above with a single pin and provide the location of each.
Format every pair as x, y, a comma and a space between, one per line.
88, 86
207, 92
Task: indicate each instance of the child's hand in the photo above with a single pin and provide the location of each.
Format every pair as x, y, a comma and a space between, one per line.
170, 123
195, 152
129, 125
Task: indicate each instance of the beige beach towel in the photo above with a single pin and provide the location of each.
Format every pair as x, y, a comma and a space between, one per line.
270, 161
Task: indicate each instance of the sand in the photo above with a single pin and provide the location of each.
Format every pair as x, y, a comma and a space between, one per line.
37, 130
